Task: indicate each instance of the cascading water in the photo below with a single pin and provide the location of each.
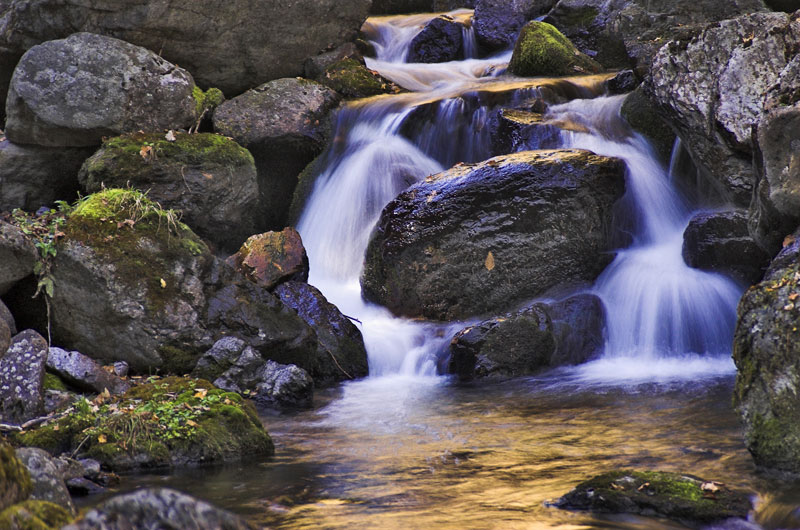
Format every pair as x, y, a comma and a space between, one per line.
661, 313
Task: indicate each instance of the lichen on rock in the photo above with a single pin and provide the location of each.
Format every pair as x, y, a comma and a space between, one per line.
542, 50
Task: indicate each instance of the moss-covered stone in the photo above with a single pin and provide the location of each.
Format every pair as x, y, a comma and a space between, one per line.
351, 79
542, 50
160, 423
15, 481
207, 101
673, 495
53, 382
34, 515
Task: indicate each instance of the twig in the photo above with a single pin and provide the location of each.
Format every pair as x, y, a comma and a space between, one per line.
354, 319
339, 366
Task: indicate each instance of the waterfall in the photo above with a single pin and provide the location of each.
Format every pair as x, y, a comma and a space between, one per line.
661, 313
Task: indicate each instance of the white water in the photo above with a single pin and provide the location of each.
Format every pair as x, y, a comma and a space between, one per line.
666, 321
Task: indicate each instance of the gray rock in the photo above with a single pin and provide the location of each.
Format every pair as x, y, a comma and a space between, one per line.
75, 91
622, 82
719, 241
283, 123
48, 480
22, 378
83, 373
519, 130
155, 296
157, 508
315, 66
33, 176
5, 337
497, 22
267, 382
121, 368
541, 336
341, 354
713, 88
17, 256
210, 179
481, 238
81, 487
233, 46
55, 400
8, 318
441, 40
640, 113
766, 351
221, 356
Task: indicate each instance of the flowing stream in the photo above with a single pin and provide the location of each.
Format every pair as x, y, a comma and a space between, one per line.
406, 448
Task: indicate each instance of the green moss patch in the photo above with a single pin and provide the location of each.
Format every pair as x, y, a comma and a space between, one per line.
542, 50
672, 495
351, 79
15, 481
53, 382
34, 515
159, 423
142, 240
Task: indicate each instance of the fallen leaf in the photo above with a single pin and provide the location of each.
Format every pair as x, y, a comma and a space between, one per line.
788, 307
170, 136
489, 263
788, 240
191, 423
56, 428
146, 152
617, 487
793, 296
709, 486
163, 283
643, 486
208, 175
200, 392
102, 439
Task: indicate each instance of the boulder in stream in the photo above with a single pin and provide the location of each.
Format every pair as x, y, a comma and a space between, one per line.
75, 91
684, 498
353, 80
440, 41
479, 238
497, 22
542, 50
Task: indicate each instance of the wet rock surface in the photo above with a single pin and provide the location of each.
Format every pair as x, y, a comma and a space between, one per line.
481, 237
440, 41
497, 22
83, 373
121, 87
272, 258
22, 378
541, 50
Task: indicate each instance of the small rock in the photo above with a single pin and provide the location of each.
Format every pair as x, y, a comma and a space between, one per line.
440, 41
22, 378
48, 481
121, 369
82, 487
83, 373
219, 358
624, 81
272, 258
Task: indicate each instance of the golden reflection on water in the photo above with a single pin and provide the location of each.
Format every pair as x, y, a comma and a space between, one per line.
407, 454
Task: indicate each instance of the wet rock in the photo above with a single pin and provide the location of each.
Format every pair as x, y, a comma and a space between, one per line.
195, 423
480, 238
541, 50
47, 479
641, 115
399, 7
32, 514
7, 318
440, 41
232, 46
22, 378
733, 63
341, 354
33, 176
520, 130
685, 498
628, 33
121, 368
58, 399
83, 373
158, 508
540, 336
774, 210
497, 22
239, 368
315, 66
210, 179
272, 258
624, 81
766, 350
134, 284
15, 481
720, 242
5, 336
283, 123
94, 86
17, 256
81, 487
353, 80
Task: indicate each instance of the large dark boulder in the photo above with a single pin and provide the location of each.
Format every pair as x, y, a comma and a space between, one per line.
22, 378
541, 336
640, 113
685, 498
234, 45
542, 50
135, 284
283, 123
441, 40
627, 33
209, 179
158, 508
719, 241
33, 176
92, 87
497, 22
341, 354
479, 238
766, 350
713, 88
17, 256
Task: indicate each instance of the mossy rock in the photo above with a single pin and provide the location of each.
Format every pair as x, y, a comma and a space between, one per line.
15, 481
681, 497
351, 79
210, 179
542, 50
161, 423
34, 515
53, 382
